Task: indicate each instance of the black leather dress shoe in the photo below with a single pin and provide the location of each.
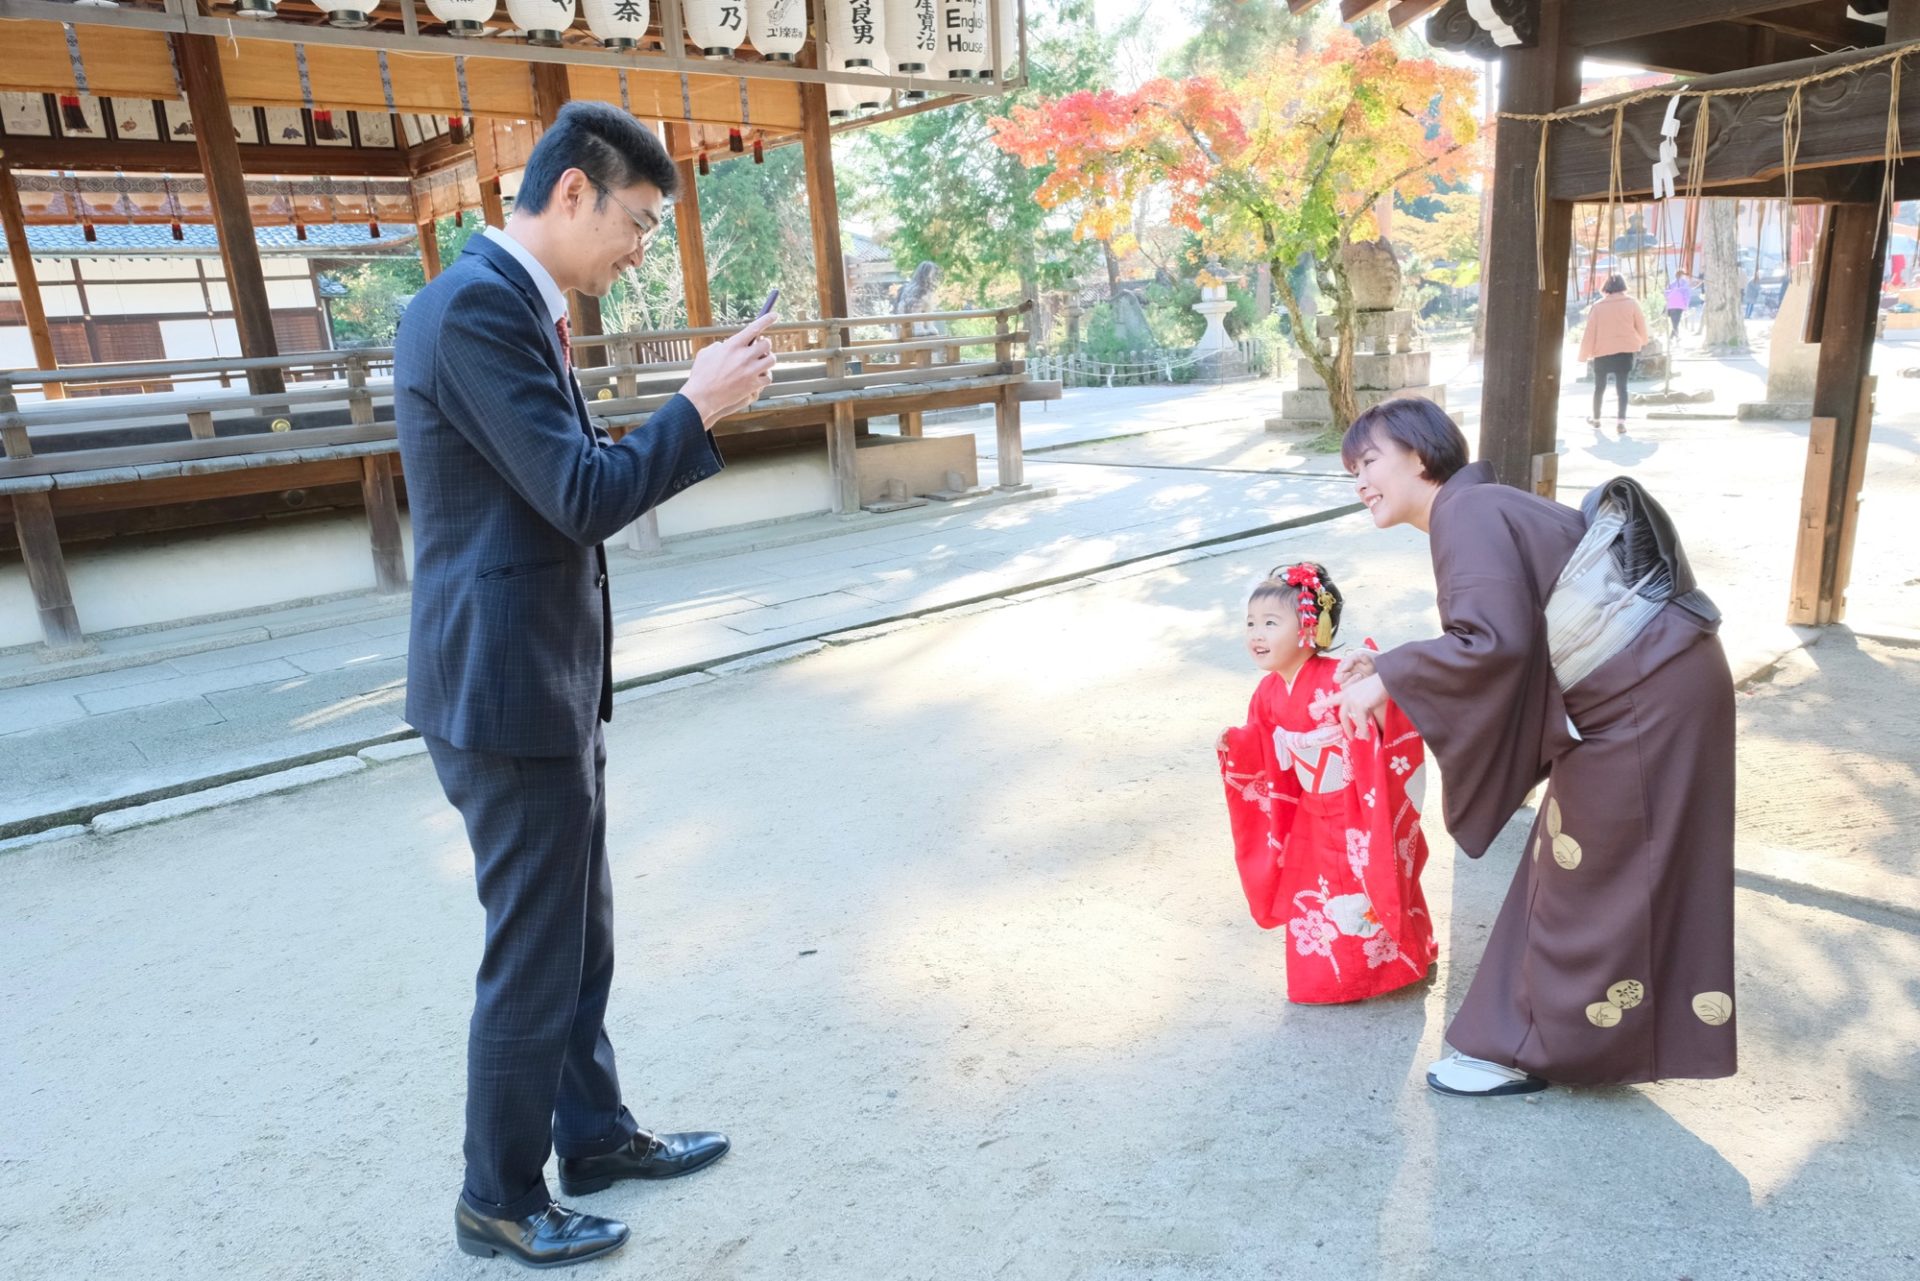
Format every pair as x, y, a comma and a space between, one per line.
647, 1156
550, 1238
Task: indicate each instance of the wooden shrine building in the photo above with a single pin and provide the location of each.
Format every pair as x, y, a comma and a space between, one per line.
1803, 100
141, 119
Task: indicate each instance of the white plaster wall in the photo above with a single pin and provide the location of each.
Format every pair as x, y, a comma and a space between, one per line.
127, 584
772, 487
189, 339
184, 576
16, 352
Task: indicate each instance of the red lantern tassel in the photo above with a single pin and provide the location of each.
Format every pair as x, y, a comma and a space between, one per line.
71, 116
299, 231
178, 233
373, 228
457, 127
705, 169
735, 143
323, 126
759, 152
459, 217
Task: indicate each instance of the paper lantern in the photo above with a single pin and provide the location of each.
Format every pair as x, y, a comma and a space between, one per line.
912, 34
842, 102
873, 97
253, 8
716, 26
963, 40
351, 14
777, 28
618, 24
541, 21
462, 17
856, 32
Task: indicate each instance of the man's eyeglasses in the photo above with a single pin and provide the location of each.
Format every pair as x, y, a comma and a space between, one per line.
646, 225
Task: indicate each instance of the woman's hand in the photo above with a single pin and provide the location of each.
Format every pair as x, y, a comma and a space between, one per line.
1360, 705
1354, 667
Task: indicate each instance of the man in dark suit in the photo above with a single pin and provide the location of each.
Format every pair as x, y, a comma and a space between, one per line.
509, 673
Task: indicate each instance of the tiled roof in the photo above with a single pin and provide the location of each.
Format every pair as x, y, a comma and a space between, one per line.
200, 240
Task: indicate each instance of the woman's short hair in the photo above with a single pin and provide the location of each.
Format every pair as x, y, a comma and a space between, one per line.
610, 147
1615, 285
1416, 425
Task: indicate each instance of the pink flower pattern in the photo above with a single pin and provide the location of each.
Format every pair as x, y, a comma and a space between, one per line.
1380, 949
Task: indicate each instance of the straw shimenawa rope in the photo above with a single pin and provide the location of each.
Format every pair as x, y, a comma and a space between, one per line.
1790, 129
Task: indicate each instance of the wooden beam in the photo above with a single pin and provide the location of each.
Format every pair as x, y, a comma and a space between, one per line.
199, 61
1407, 12
1595, 24
1825, 24
1711, 50
429, 248
1844, 121
383, 523
171, 157
1525, 307
20, 254
692, 236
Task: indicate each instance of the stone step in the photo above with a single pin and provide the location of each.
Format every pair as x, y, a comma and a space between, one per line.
1380, 370
1311, 405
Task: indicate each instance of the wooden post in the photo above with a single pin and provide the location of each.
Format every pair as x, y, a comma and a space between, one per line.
493, 209
1009, 463
429, 243
691, 234
823, 199
377, 490
20, 254
1523, 304
551, 92
206, 89
1857, 254
40, 546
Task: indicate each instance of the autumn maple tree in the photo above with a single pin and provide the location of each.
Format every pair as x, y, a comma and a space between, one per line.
1283, 164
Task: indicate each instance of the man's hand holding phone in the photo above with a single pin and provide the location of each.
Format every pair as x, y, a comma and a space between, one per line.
729, 375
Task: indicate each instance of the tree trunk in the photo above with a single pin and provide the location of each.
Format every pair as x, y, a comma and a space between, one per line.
1340, 385
1113, 271
1724, 328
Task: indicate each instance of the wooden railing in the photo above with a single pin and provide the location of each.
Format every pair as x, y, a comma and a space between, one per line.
332, 424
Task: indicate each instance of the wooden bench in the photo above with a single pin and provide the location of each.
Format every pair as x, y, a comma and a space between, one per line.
828, 388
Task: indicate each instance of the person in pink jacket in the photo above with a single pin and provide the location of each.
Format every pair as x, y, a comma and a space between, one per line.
1616, 330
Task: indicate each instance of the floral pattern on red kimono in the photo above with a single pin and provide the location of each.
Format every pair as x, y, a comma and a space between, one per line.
1326, 833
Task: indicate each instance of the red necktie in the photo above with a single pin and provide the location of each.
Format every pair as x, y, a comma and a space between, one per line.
566, 341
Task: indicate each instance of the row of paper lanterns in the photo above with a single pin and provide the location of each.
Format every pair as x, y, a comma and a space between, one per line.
940, 39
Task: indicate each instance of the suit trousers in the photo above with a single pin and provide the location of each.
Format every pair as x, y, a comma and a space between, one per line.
540, 1069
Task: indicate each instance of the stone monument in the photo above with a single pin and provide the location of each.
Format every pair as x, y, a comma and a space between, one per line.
1386, 362
1792, 361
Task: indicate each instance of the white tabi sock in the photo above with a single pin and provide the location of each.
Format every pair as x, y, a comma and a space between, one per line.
1460, 1074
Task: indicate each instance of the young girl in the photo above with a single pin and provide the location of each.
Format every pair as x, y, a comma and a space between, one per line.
1326, 828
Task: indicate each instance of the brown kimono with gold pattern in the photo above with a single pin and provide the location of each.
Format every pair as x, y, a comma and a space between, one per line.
1612, 958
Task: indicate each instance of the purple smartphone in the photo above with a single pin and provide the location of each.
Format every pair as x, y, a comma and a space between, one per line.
768, 305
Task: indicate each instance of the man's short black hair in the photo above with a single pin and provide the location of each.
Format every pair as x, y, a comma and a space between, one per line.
610, 147
1416, 425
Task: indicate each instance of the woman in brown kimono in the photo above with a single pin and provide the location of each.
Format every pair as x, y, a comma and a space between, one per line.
1575, 649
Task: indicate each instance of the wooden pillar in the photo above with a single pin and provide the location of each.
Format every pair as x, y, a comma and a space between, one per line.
551, 92
823, 200
1523, 303
691, 233
20, 254
1009, 460
40, 550
1852, 264
429, 245
486, 164
206, 89
1903, 21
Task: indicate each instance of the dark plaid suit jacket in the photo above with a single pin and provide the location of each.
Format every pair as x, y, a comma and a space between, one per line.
512, 490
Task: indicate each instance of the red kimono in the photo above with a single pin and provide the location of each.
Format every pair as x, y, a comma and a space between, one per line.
1326, 832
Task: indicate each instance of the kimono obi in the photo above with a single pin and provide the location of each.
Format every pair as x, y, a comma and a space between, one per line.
1625, 570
